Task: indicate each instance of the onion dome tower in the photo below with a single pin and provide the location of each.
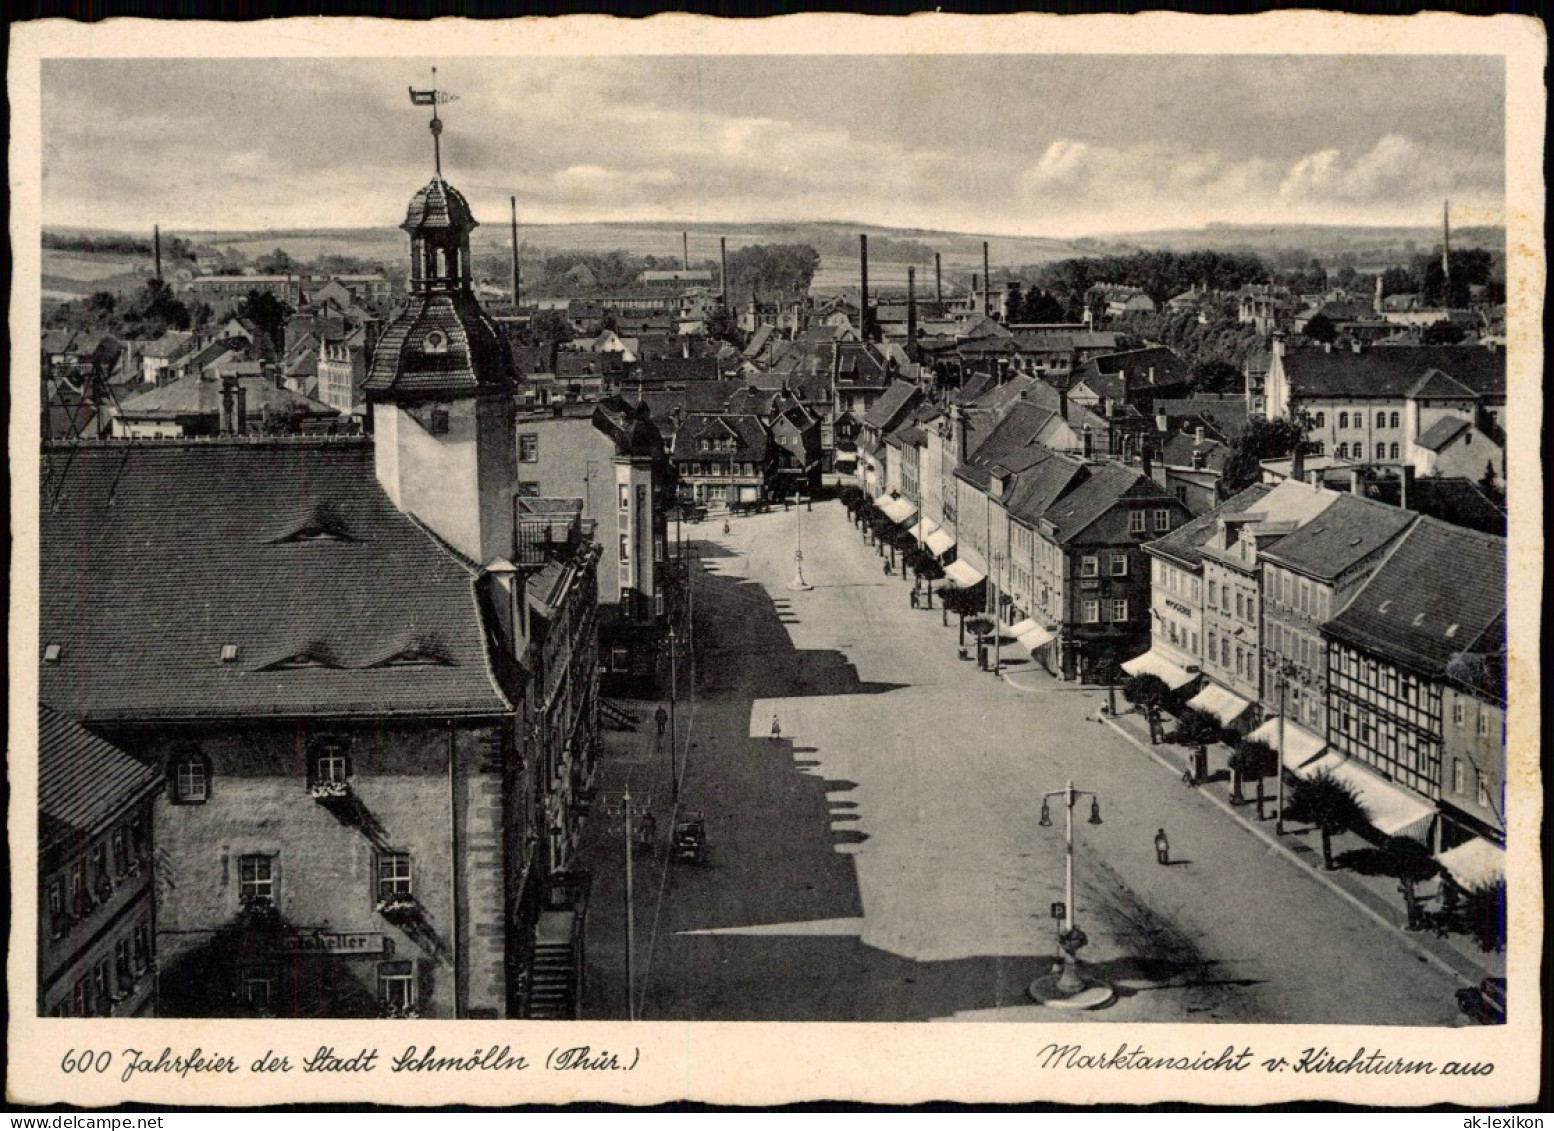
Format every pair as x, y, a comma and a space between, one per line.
440, 388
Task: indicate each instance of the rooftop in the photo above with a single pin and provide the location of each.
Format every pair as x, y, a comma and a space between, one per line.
1348, 531
84, 781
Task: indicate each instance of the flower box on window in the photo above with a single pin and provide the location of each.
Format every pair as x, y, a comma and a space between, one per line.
398, 905
325, 790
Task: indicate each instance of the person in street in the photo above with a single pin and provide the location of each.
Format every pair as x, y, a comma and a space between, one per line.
1162, 847
725, 526
776, 729
914, 598
661, 717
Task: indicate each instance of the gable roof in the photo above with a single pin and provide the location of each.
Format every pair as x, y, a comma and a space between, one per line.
1103, 374
1443, 432
1437, 384
1036, 488
157, 556
1348, 531
1105, 487
84, 781
746, 428
1438, 592
1393, 372
197, 395
891, 405
1185, 543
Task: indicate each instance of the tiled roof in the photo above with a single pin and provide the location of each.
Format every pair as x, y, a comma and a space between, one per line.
438, 205
168, 345
1392, 372
197, 395
157, 556
472, 355
1458, 501
859, 363
677, 369
746, 428
1438, 591
1437, 384
1105, 487
1185, 543
1101, 374
890, 405
1442, 432
1347, 532
1036, 488
1226, 416
84, 782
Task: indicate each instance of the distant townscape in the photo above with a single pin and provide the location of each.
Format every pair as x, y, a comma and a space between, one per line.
386, 620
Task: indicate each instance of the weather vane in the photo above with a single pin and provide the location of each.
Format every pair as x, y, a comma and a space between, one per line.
433, 98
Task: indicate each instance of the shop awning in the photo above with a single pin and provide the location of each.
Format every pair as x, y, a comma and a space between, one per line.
1478, 863
1035, 639
1394, 810
1301, 747
923, 528
941, 542
1226, 706
899, 511
881, 500
1153, 663
1019, 627
963, 575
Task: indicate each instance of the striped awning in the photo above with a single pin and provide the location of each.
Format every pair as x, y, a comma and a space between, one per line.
1173, 675
1301, 747
1478, 863
1226, 706
963, 575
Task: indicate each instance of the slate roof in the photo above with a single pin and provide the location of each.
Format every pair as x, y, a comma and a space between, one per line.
1458, 501
197, 395
891, 404
752, 437
1442, 432
676, 369
1347, 532
1437, 593
1393, 372
860, 363
1038, 487
474, 356
169, 345
438, 205
84, 782
1102, 490
156, 556
1438, 384
1102, 374
1225, 416
1185, 543
758, 341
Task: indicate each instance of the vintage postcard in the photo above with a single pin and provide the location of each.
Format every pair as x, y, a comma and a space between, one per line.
916, 559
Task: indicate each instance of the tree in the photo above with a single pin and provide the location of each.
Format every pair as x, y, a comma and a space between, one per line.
550, 328
1197, 729
1402, 858
928, 570
154, 311
1331, 805
1483, 914
775, 270
268, 314
1442, 333
1252, 758
1490, 484
1257, 441
276, 262
1148, 692
722, 325
963, 602
99, 305
1320, 328
1215, 375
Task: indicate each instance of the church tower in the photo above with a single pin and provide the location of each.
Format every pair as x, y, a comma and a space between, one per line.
441, 386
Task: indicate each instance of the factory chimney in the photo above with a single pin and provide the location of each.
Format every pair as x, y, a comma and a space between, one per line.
987, 282
685, 250
517, 279
723, 280
863, 277
911, 307
938, 284
156, 243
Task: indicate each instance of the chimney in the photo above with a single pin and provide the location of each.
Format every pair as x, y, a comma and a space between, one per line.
1380, 303
1354, 482
987, 282
1298, 459
228, 404
911, 306
241, 397
1357, 346
1162, 422
723, 279
863, 286
1151, 374
517, 281
1145, 464
938, 283
1327, 347
975, 285
1197, 434
1122, 379
1446, 253
685, 250
156, 244
1087, 443
1406, 485
1063, 401
958, 432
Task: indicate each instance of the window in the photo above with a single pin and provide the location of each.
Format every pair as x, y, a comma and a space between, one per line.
625, 547
1343, 420
1394, 451
1381, 420
1090, 566
1459, 776
437, 423
1342, 451
625, 494
1119, 610
1482, 796
393, 876
620, 655
1240, 658
1458, 715
100, 988
1092, 611
1468, 437
1136, 522
191, 781
1483, 721
528, 489
1394, 420
1381, 451
328, 763
141, 946
1213, 592
78, 999
1320, 420
123, 975
1224, 594
1240, 607
256, 879
120, 851
1162, 520
528, 447
1197, 594
1119, 565
1213, 648
396, 985
258, 987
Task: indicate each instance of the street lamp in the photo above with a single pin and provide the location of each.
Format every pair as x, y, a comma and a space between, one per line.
998, 600
798, 584
674, 767
1067, 990
1286, 669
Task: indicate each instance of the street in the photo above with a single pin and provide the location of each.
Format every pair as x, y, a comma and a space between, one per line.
882, 859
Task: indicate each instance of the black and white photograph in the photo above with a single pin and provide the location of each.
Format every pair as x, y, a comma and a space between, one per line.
862, 534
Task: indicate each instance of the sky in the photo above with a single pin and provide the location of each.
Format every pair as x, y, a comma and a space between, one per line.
1056, 145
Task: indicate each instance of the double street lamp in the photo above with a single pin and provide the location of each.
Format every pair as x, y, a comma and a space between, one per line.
1069, 991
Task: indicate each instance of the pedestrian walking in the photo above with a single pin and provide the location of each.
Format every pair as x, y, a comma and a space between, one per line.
776, 729
914, 598
1162, 847
661, 717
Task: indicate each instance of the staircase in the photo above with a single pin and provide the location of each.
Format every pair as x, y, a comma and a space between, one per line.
553, 987
617, 717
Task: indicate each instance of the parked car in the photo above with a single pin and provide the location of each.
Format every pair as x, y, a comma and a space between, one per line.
1484, 1003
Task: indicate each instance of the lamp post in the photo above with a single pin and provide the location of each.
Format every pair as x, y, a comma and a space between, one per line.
674, 768
1068, 990
1286, 669
798, 584
998, 600
631, 928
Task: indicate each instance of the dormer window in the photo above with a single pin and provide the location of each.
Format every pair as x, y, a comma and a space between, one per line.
329, 764
435, 342
316, 655
51, 653
229, 653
